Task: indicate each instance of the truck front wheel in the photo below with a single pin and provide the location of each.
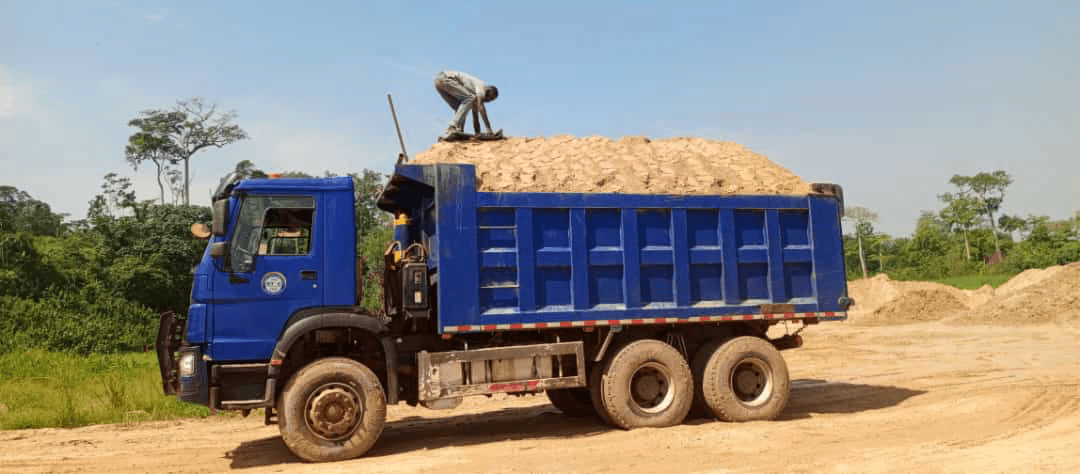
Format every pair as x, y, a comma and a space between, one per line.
744, 379
647, 383
332, 409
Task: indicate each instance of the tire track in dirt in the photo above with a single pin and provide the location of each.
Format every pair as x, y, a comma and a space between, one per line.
1053, 401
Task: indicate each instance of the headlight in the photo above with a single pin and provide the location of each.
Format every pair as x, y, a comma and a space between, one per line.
187, 365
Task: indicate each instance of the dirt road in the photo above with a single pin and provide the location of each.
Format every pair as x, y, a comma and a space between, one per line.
924, 397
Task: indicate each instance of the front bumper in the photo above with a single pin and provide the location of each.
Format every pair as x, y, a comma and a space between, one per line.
183, 370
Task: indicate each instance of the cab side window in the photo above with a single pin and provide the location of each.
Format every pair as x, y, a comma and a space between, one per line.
286, 232
271, 226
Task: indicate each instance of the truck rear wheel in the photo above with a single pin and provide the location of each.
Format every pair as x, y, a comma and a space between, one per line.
573, 402
744, 379
332, 409
596, 395
647, 383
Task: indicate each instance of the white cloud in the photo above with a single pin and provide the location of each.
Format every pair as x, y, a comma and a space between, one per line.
15, 98
156, 17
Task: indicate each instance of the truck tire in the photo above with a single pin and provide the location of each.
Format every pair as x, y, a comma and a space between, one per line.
573, 402
332, 409
744, 379
647, 383
699, 409
595, 391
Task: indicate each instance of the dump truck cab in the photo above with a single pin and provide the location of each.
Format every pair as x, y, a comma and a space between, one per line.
277, 252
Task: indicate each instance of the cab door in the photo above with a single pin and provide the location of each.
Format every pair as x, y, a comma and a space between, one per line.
273, 269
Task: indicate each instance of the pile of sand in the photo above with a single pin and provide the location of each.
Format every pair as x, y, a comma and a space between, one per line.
918, 305
1041, 296
1032, 297
630, 165
880, 300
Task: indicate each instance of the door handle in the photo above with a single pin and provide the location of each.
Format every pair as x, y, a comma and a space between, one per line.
309, 274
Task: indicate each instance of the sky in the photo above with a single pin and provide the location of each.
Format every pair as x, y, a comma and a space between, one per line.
887, 99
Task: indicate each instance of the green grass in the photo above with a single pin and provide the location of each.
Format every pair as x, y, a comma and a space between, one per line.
971, 282
49, 389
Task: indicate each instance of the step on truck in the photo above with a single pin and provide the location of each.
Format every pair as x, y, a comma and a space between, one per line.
638, 309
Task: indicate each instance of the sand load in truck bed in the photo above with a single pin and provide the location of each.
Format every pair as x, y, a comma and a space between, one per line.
628, 165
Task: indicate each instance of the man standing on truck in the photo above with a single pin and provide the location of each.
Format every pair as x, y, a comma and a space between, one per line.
464, 92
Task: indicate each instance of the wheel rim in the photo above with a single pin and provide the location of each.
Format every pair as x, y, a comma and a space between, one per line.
333, 411
751, 380
650, 388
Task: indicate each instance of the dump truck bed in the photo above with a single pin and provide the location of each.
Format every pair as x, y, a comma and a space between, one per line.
527, 261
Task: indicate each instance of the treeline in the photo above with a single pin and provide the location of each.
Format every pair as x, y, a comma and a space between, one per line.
97, 284
967, 236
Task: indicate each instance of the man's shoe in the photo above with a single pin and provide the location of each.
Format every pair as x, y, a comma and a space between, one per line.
454, 135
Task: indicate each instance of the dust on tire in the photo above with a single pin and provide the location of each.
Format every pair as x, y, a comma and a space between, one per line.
718, 387
647, 383
296, 431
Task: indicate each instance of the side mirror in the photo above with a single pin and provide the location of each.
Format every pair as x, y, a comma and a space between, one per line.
219, 249
220, 224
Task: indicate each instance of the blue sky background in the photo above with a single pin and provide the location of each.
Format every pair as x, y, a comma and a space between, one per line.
889, 99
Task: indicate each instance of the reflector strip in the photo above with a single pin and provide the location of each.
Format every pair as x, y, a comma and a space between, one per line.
823, 316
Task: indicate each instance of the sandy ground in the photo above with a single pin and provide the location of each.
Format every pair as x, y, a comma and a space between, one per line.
928, 397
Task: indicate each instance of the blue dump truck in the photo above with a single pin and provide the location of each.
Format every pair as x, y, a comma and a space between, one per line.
639, 309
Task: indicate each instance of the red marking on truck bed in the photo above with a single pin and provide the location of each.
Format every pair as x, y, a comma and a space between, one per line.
789, 315
748, 317
613, 322
590, 323
566, 324
637, 321
464, 328
516, 325
513, 387
489, 327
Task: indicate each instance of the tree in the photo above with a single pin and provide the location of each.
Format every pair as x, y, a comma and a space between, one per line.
175, 178
152, 143
863, 219
1013, 224
961, 213
21, 212
367, 186
988, 190
247, 169
178, 133
116, 195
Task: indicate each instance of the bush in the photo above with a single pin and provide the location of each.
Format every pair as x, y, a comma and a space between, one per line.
43, 389
76, 323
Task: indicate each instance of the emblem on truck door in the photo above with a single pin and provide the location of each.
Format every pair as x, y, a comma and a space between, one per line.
273, 283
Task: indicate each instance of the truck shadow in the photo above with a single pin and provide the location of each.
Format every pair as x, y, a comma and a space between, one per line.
415, 433
810, 396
